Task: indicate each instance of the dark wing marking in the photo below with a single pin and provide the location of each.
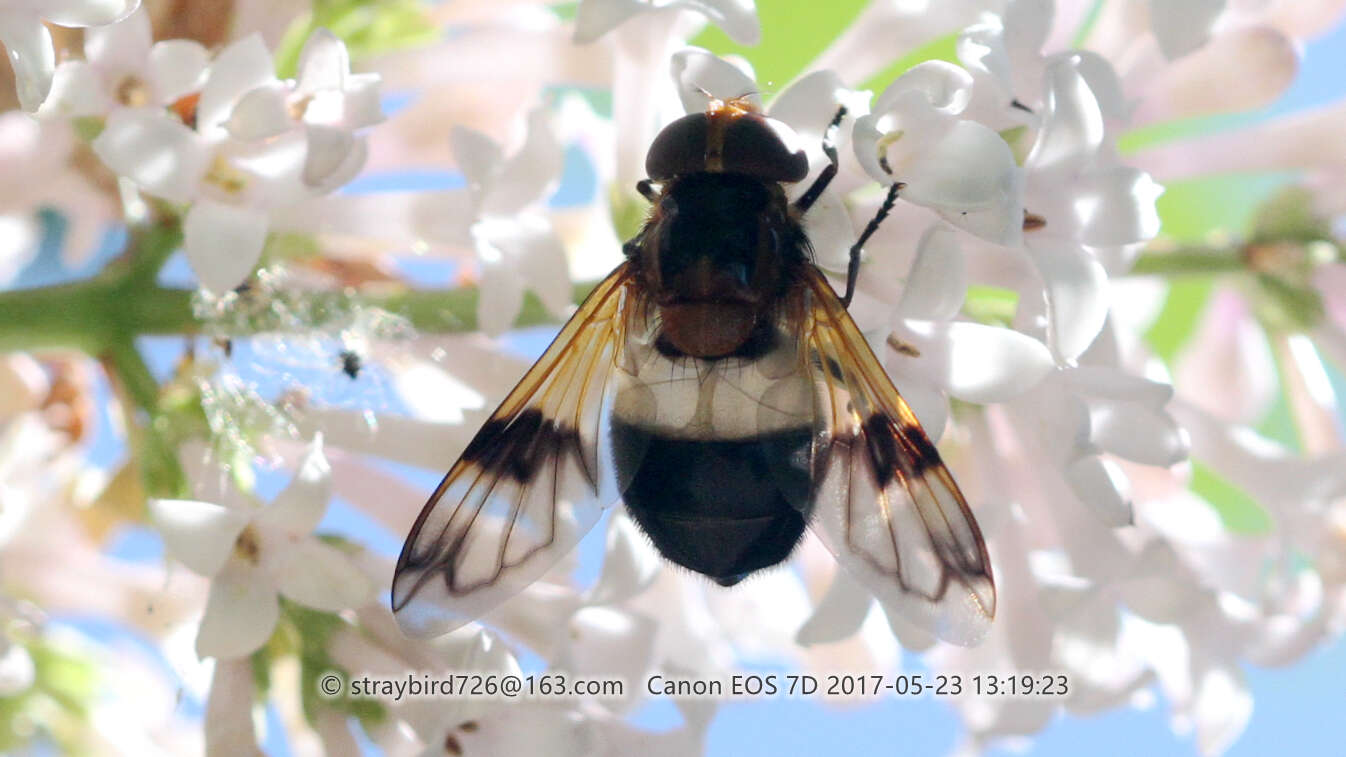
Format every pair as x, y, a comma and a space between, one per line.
884, 504
528, 486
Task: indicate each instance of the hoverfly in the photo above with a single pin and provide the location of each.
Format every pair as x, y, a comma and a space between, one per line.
715, 384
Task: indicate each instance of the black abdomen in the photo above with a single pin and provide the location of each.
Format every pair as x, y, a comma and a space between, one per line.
723, 508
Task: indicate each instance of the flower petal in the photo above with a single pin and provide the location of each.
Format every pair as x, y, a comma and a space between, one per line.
223, 243
177, 67
1072, 125
1182, 26
86, 12
630, 563
969, 169
76, 90
700, 74
1103, 488
261, 113
240, 68
478, 156
605, 641
229, 725
323, 63
1116, 206
200, 535
501, 292
1240, 70
301, 505
937, 283
157, 152
1138, 433
121, 47
30, 54
240, 614
975, 363
838, 614
320, 576
1076, 287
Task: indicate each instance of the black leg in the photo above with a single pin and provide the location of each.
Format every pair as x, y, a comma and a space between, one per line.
815, 191
853, 268
646, 189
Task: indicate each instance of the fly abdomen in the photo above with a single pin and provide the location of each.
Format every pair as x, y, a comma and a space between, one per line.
723, 508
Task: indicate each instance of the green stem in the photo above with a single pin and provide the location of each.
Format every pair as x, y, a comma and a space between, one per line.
1190, 261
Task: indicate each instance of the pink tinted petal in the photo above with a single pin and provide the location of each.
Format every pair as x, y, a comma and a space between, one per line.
229, 724
1183, 25
241, 612
177, 67
700, 74
301, 505
157, 152
200, 535
223, 243
1138, 433
1227, 367
319, 575
937, 283
121, 47
30, 54
1076, 287
240, 68
1103, 488
1243, 69
975, 363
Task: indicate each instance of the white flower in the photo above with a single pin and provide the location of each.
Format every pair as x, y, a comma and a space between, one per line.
941, 356
738, 18
255, 554
121, 68
234, 185
29, 42
327, 102
497, 216
957, 167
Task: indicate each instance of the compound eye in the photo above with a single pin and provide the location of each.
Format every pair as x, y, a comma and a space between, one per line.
765, 148
679, 149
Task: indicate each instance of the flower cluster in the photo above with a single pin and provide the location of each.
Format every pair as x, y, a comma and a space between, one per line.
370, 200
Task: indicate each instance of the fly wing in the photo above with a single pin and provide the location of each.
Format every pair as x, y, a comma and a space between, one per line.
528, 486
884, 503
